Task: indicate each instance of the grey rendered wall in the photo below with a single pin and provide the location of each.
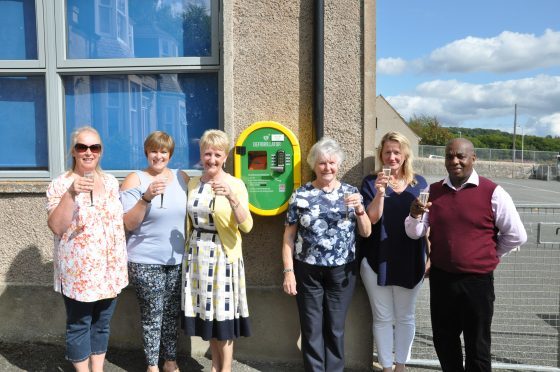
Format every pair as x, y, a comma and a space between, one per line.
267, 75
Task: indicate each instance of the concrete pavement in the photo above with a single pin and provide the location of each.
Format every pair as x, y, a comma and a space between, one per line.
48, 358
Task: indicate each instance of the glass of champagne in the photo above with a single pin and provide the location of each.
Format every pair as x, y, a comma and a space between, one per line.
386, 173
424, 195
346, 196
162, 178
90, 176
213, 201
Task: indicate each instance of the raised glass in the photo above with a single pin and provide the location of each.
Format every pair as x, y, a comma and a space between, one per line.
18, 30
23, 123
126, 108
386, 173
98, 29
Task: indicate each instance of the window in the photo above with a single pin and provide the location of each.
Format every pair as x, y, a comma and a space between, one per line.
18, 30
125, 67
112, 109
141, 29
23, 144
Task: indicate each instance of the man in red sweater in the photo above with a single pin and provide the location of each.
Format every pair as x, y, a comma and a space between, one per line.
472, 222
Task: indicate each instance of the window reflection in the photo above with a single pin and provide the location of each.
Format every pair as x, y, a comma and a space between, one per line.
138, 29
126, 108
23, 123
18, 30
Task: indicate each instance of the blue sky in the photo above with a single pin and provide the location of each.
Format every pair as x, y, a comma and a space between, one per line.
469, 62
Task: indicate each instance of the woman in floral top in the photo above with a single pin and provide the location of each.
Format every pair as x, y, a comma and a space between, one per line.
319, 256
86, 217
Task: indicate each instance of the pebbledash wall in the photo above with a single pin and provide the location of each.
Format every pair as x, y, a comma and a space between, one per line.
266, 67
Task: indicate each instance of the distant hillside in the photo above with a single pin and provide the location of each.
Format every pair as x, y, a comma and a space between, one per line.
493, 138
432, 133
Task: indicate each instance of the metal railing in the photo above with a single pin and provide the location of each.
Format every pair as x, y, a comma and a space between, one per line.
525, 156
526, 323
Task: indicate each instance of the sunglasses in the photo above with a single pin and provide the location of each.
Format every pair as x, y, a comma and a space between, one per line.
80, 147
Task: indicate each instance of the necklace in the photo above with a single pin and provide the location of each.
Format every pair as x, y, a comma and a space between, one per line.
397, 185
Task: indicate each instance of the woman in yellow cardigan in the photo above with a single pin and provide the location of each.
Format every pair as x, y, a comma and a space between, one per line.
214, 295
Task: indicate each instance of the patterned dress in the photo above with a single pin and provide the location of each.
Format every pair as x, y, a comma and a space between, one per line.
90, 257
215, 304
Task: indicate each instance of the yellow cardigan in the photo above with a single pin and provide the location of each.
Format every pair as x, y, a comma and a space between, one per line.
227, 227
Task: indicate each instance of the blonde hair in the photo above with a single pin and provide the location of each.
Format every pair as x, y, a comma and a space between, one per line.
159, 140
216, 139
325, 147
406, 170
74, 140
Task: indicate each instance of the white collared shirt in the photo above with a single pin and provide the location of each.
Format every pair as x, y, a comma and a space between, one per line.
511, 232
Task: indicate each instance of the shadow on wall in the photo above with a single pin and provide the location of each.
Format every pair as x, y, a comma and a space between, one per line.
31, 312
32, 317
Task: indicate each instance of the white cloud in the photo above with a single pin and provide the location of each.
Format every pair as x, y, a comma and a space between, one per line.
550, 123
391, 66
454, 102
507, 52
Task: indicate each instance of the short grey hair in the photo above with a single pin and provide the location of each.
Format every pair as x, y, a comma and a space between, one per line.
325, 147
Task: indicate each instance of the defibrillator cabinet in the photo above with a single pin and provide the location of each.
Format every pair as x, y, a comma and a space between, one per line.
267, 158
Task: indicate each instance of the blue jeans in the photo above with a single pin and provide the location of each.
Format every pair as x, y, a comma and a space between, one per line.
87, 327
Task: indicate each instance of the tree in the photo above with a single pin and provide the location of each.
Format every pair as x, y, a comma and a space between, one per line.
430, 130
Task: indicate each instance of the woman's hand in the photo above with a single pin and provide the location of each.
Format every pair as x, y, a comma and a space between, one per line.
290, 283
157, 187
381, 183
221, 188
81, 185
354, 201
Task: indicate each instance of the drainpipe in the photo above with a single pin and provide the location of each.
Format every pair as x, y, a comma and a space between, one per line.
318, 68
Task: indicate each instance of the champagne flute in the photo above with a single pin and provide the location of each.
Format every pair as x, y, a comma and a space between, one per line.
386, 173
213, 202
162, 178
90, 176
424, 195
346, 196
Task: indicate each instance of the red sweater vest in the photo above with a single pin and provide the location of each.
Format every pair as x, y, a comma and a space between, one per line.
463, 236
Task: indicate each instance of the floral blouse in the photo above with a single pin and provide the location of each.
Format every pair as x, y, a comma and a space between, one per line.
325, 237
90, 260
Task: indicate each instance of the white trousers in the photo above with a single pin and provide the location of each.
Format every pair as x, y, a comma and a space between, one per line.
391, 305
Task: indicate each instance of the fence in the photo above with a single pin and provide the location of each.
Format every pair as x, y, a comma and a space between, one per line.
528, 156
546, 172
526, 323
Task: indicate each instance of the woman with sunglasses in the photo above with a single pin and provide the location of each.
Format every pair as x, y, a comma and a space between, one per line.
155, 205
86, 217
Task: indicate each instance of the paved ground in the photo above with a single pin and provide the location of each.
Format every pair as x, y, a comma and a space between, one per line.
49, 358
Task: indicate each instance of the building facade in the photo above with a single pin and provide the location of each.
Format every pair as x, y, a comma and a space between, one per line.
182, 66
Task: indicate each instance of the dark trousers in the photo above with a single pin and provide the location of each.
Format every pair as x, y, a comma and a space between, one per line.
462, 303
323, 297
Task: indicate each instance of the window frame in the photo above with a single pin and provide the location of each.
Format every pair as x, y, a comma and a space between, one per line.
64, 62
51, 44
21, 64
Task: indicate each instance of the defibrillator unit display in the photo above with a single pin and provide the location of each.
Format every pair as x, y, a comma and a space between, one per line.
267, 158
